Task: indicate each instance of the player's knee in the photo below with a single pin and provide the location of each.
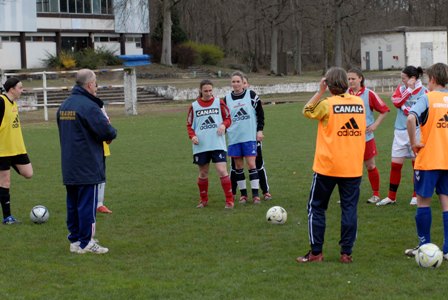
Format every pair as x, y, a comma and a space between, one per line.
27, 174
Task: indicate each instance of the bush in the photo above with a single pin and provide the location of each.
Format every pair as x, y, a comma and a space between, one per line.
185, 56
209, 54
86, 58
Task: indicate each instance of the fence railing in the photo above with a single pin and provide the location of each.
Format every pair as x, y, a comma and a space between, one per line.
44, 75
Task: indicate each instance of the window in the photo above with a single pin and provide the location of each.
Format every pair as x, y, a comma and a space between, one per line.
47, 5
98, 7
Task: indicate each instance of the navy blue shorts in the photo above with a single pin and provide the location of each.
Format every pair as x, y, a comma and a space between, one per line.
204, 158
243, 149
426, 181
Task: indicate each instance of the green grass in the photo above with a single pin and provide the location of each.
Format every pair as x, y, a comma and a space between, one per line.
161, 247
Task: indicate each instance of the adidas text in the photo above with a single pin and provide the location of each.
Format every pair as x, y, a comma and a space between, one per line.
349, 132
208, 126
240, 118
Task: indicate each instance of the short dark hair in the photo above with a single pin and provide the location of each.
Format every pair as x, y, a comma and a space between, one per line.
337, 81
438, 72
10, 83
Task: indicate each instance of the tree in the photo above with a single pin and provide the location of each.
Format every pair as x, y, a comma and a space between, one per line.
167, 7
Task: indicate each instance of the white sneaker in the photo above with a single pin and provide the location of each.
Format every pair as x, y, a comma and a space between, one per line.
94, 248
373, 199
385, 201
445, 256
411, 252
413, 201
74, 247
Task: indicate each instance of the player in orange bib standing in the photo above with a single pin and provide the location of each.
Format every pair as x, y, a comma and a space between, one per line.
338, 160
431, 163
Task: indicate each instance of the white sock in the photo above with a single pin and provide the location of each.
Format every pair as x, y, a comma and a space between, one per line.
101, 188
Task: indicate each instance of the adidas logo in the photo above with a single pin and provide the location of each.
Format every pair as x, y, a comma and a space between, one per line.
443, 122
16, 123
350, 128
208, 124
240, 116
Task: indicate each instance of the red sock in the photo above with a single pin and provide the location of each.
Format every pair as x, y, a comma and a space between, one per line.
203, 188
227, 188
374, 178
395, 178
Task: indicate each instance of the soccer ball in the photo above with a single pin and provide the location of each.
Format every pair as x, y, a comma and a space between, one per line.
39, 214
429, 256
276, 215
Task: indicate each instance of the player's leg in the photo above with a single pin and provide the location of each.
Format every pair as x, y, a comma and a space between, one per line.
253, 177
321, 189
72, 217
22, 164
241, 178
5, 183
221, 168
235, 151
413, 201
349, 190
233, 176
394, 181
87, 202
203, 184
400, 150
372, 171
262, 175
250, 154
442, 190
101, 208
202, 160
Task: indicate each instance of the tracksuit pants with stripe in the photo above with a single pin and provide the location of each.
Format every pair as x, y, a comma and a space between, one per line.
81, 212
321, 190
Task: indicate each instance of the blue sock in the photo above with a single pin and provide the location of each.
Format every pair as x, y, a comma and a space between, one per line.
423, 220
445, 232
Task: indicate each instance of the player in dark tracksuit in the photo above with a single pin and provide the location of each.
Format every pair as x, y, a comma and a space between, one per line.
82, 130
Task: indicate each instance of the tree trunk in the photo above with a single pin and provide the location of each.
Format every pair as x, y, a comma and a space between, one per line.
274, 48
166, 43
338, 35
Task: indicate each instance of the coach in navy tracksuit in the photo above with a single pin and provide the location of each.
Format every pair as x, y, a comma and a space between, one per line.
82, 129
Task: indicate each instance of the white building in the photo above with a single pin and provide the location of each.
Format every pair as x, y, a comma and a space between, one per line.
29, 29
403, 46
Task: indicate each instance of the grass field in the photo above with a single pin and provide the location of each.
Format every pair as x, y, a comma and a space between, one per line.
162, 247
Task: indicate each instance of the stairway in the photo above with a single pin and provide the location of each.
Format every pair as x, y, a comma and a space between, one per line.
110, 96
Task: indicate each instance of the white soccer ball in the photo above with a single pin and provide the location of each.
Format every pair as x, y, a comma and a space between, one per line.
276, 215
39, 214
429, 256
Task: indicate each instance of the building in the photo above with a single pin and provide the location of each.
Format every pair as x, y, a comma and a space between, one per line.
32, 29
403, 46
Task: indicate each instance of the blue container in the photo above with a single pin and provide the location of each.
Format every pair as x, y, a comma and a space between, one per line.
135, 60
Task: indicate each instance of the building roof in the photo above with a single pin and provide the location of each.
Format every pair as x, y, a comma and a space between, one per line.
407, 29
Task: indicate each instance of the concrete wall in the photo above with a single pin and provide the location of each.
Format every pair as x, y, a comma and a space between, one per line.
414, 41
9, 55
74, 23
392, 47
36, 51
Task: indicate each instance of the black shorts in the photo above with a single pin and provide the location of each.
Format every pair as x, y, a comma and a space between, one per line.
7, 161
204, 158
